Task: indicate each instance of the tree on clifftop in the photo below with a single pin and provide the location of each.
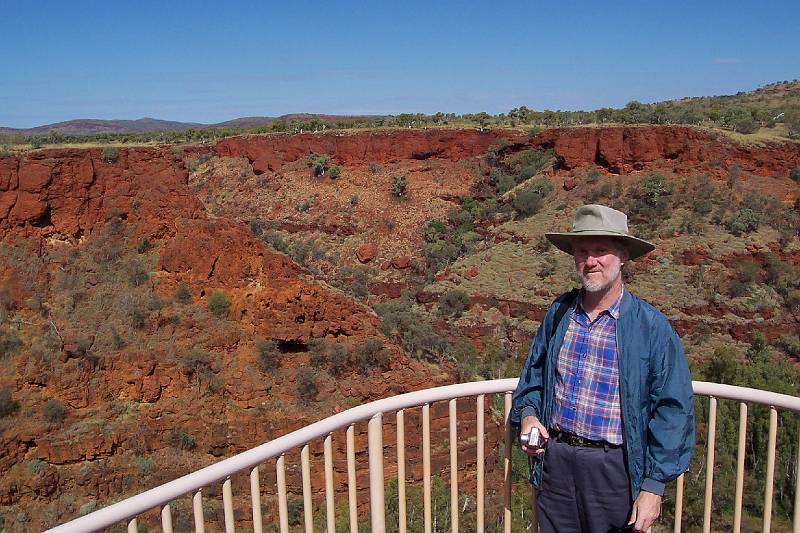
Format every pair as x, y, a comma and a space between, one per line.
318, 163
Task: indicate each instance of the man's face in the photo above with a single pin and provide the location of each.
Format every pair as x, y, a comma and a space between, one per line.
598, 261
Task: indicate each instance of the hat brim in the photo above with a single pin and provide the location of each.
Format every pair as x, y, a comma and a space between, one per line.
636, 247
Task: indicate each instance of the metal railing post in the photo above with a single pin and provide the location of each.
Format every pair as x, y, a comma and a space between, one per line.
166, 519
377, 503
739, 493
426, 466
796, 516
453, 420
507, 467
330, 509
480, 459
352, 490
283, 504
255, 499
676, 526
712, 436
308, 504
197, 510
768, 484
401, 472
227, 504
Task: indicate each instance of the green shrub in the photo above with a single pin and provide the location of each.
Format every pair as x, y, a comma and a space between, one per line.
655, 187
504, 183
354, 280
453, 303
700, 199
603, 191
746, 125
9, 342
54, 412
196, 363
137, 272
87, 507
109, 154
790, 344
417, 335
143, 245
8, 405
528, 202
37, 466
294, 511
371, 355
795, 174
182, 439
373, 167
267, 355
465, 356
334, 172
398, 186
144, 464
528, 163
276, 240
257, 226
182, 294
744, 221
318, 356
306, 381
218, 304
318, 163
339, 360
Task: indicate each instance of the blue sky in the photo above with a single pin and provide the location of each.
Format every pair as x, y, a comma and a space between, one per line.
213, 61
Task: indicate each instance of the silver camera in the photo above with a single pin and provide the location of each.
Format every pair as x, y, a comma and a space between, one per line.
531, 439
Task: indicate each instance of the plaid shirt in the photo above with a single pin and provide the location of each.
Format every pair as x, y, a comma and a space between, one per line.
586, 399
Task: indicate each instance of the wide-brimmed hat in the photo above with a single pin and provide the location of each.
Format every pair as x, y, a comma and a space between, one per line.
600, 221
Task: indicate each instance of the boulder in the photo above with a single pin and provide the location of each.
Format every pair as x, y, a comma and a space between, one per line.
367, 253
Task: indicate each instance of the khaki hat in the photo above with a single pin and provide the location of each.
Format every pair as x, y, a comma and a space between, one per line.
600, 221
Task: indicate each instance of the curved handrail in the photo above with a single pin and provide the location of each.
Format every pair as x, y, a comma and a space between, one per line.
745, 394
189, 483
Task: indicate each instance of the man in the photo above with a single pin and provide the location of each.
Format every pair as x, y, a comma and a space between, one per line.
607, 385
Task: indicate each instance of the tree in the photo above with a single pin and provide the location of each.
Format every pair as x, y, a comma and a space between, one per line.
8, 405
54, 412
371, 355
306, 380
453, 303
399, 186
219, 304
267, 355
318, 163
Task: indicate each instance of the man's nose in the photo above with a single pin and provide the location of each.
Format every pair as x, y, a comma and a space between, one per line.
591, 259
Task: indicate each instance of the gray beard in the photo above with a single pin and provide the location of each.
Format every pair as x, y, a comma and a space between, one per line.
599, 285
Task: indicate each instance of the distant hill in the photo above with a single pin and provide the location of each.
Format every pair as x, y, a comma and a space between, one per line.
95, 126
743, 112
147, 125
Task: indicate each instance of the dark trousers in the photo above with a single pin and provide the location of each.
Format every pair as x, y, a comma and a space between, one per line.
584, 489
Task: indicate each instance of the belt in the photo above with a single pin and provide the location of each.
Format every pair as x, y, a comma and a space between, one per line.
579, 441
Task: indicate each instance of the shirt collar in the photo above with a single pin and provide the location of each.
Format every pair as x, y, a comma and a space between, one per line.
613, 310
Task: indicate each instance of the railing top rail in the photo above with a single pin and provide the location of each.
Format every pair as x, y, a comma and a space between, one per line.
744, 394
189, 483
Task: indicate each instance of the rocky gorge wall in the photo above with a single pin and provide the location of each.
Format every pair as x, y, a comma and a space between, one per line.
65, 198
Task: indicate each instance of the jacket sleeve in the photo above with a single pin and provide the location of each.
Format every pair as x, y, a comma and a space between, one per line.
670, 430
527, 399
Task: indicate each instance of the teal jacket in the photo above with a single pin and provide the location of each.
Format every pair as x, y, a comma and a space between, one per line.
655, 392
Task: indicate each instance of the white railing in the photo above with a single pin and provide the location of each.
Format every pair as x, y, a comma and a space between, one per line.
249, 461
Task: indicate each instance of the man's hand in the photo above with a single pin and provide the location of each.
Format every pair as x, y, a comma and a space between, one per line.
646, 509
525, 426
